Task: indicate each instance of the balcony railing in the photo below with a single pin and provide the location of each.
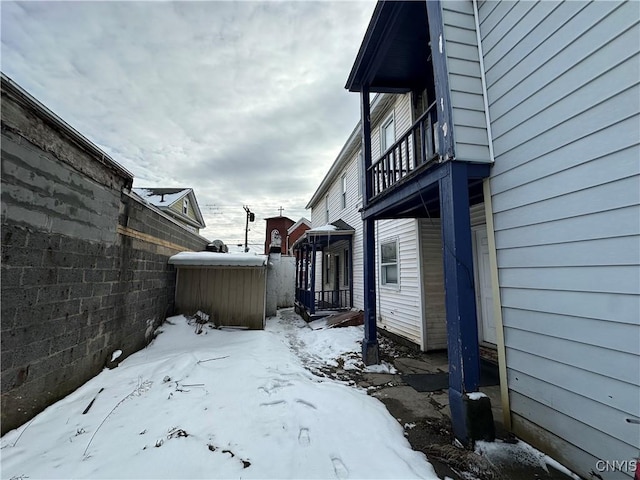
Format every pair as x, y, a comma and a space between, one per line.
415, 149
324, 299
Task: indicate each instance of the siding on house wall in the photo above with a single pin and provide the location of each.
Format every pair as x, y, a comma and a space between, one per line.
400, 307
433, 277
465, 84
564, 102
191, 213
350, 215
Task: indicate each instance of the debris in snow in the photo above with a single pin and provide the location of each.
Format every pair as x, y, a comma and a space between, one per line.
201, 319
141, 388
383, 367
166, 379
177, 432
211, 359
91, 403
115, 359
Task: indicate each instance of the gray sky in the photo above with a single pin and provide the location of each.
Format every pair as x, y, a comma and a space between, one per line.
242, 101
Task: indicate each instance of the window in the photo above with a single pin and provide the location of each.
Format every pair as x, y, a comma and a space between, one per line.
326, 208
389, 263
185, 206
344, 191
387, 134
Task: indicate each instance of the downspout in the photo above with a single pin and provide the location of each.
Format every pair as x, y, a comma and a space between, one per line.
491, 238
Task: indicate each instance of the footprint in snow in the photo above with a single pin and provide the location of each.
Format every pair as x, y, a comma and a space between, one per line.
303, 437
305, 403
270, 404
339, 468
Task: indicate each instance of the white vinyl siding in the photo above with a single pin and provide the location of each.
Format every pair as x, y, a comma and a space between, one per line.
465, 84
563, 85
350, 215
400, 306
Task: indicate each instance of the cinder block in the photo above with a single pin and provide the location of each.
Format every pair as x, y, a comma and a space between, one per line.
39, 276
80, 290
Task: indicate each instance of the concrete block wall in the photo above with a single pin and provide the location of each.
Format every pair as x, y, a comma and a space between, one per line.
84, 263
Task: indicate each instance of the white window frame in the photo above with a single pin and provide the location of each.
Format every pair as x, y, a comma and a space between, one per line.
344, 190
389, 121
384, 266
185, 206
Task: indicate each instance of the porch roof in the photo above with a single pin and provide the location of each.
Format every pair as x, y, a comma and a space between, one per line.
326, 234
392, 56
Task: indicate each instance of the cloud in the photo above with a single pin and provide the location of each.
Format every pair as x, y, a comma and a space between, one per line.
243, 101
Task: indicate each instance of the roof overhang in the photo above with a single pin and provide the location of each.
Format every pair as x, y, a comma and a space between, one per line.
392, 56
325, 235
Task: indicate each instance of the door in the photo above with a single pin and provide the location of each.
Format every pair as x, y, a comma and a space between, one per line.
484, 293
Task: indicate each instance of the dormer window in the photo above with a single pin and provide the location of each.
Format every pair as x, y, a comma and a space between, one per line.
185, 206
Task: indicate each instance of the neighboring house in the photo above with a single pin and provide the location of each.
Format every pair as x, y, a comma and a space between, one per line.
502, 196
179, 203
295, 231
276, 234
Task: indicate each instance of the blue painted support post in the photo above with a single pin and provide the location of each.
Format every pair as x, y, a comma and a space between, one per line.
350, 266
312, 299
370, 352
462, 327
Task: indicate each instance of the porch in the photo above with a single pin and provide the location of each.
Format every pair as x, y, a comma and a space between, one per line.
418, 176
323, 270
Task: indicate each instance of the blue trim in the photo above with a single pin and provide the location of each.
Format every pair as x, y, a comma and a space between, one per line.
365, 158
405, 193
441, 78
370, 341
462, 327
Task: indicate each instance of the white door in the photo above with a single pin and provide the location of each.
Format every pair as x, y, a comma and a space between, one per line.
484, 294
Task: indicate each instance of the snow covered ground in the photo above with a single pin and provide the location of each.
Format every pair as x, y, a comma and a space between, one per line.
222, 404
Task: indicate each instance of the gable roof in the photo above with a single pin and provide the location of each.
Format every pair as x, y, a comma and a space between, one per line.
164, 198
302, 221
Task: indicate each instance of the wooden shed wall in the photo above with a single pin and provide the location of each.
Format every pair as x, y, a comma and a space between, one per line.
233, 296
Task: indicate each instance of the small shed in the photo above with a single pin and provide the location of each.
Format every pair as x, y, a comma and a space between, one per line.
230, 287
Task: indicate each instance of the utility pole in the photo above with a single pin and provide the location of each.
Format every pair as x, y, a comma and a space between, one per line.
251, 217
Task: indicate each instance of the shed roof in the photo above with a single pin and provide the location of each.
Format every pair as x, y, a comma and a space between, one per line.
216, 259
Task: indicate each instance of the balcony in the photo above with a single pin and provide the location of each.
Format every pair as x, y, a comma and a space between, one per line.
413, 152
